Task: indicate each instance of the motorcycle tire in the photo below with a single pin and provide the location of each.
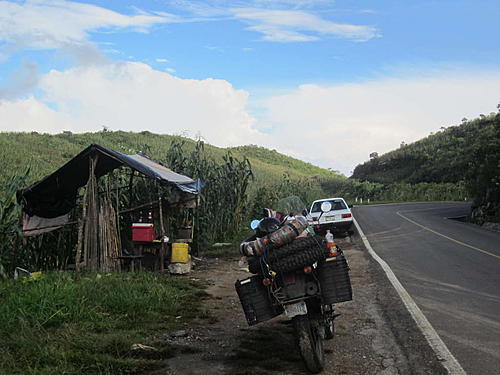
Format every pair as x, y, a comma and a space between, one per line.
296, 247
309, 343
310, 248
297, 261
329, 330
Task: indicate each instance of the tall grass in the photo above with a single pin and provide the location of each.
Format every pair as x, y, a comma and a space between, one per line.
10, 214
78, 323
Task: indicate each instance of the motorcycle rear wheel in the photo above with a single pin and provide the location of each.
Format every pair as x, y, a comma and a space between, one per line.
329, 330
310, 343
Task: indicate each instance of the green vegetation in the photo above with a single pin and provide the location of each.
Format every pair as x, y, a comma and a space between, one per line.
224, 193
355, 190
233, 177
62, 323
261, 155
46, 152
240, 181
234, 180
10, 213
467, 154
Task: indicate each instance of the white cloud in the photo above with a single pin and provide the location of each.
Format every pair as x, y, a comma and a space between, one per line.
27, 115
134, 97
297, 25
58, 23
277, 20
162, 60
170, 70
66, 25
338, 126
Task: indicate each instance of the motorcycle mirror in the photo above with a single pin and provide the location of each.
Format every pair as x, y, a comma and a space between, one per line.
254, 224
326, 206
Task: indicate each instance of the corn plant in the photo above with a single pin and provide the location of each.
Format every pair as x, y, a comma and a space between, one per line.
224, 196
10, 231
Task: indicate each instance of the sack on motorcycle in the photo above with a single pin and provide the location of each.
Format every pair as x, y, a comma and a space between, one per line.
255, 300
334, 280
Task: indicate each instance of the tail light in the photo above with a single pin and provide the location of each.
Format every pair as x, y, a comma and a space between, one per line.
308, 269
345, 216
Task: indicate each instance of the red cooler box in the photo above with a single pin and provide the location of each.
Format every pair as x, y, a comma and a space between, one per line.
143, 232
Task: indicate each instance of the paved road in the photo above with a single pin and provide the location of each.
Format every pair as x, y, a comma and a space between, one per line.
450, 268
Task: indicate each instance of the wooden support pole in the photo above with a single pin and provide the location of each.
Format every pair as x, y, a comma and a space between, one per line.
196, 226
162, 230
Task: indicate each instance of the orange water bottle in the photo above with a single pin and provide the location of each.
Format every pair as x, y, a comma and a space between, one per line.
330, 243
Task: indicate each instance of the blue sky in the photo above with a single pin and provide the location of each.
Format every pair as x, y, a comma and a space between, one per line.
368, 73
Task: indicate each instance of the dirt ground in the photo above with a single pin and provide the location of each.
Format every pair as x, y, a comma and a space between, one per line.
374, 334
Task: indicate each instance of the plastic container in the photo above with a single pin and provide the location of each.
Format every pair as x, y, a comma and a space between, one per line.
180, 253
255, 300
143, 232
329, 239
333, 275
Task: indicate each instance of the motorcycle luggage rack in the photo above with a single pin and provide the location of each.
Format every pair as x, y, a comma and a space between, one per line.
333, 274
256, 300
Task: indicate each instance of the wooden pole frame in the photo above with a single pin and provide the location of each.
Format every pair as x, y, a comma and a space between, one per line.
162, 228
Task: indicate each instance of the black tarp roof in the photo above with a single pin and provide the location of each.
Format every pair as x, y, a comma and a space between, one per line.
55, 195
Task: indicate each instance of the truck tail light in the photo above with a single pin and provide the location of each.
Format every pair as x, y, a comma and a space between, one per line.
345, 216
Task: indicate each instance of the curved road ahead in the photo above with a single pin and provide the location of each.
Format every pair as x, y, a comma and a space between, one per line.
450, 268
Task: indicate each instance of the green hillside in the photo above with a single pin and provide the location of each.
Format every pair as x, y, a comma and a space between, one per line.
468, 153
44, 153
441, 157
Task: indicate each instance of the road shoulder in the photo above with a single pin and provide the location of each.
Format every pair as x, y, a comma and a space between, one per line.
374, 335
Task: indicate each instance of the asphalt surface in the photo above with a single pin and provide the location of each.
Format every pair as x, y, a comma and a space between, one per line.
450, 268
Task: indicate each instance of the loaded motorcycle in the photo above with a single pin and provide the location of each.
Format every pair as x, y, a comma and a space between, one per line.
296, 274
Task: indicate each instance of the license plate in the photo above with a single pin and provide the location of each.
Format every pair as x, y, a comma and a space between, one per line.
295, 309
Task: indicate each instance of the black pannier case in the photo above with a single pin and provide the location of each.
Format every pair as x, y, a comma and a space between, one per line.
255, 300
334, 280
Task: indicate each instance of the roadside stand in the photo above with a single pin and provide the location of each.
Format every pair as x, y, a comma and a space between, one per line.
129, 212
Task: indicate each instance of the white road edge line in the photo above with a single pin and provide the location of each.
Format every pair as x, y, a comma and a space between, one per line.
442, 352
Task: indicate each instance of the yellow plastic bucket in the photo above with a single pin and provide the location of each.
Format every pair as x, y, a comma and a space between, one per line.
180, 253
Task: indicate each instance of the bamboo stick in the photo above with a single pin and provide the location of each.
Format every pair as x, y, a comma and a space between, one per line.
162, 231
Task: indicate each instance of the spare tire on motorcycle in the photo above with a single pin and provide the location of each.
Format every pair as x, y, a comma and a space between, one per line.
297, 254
